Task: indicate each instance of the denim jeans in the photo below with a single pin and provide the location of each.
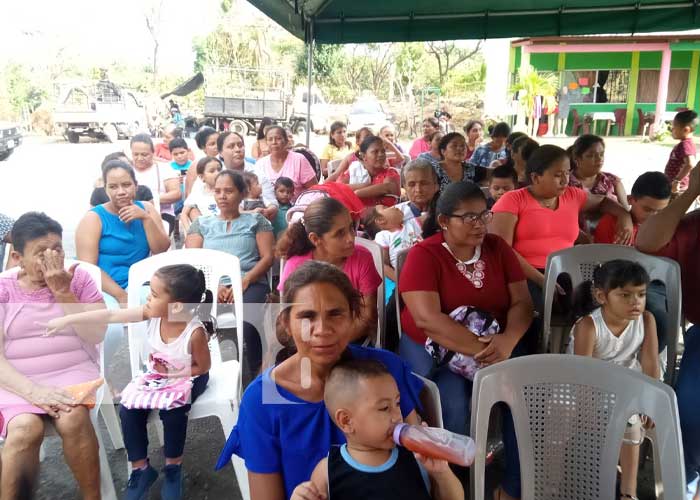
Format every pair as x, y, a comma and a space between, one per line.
687, 393
455, 398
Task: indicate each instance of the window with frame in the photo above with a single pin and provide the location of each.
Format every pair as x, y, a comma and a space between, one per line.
596, 86
648, 86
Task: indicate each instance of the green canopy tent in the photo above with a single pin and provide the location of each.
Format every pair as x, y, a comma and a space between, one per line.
365, 21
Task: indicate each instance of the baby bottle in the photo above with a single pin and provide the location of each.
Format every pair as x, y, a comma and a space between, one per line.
436, 443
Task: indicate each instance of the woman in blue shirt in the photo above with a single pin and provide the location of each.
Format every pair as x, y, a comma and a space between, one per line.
249, 237
283, 427
121, 232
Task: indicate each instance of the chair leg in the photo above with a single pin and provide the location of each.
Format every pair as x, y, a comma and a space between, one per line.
109, 414
107, 490
228, 420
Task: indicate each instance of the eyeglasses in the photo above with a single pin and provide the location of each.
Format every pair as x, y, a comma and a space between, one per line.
484, 217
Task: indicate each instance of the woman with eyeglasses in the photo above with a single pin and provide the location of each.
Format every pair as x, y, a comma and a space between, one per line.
460, 264
544, 216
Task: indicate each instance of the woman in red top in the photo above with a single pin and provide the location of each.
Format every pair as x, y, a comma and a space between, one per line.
439, 276
543, 217
379, 185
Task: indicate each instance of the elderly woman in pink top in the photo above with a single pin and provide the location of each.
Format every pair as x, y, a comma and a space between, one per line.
543, 217
284, 163
327, 233
35, 369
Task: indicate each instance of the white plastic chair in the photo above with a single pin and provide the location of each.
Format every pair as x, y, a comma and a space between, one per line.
570, 414
378, 258
580, 262
400, 261
430, 400
223, 394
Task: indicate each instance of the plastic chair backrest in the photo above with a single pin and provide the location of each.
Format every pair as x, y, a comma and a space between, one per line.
580, 261
400, 261
430, 400
4, 255
378, 258
570, 414
215, 265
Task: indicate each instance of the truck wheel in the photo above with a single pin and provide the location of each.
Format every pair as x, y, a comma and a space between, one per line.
6, 154
72, 137
239, 126
111, 133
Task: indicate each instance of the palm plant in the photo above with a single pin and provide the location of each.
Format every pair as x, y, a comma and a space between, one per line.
530, 84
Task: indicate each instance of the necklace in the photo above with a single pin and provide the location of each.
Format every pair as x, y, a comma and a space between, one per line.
477, 276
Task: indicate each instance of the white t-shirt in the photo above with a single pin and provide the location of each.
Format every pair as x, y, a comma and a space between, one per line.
268, 187
358, 173
204, 201
154, 178
406, 237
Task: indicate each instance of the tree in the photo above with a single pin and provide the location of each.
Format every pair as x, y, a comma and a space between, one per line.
152, 14
448, 56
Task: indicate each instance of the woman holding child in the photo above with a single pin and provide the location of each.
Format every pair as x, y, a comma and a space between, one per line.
370, 178
284, 163
459, 264
284, 428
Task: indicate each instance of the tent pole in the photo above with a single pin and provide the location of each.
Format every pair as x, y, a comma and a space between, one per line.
309, 97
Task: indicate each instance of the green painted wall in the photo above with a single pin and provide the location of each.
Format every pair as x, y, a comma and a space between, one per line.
611, 60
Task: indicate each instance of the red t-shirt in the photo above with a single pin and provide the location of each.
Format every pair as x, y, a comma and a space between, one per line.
606, 230
540, 231
429, 267
684, 248
676, 159
379, 178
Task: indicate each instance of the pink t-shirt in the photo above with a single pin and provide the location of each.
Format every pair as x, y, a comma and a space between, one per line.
359, 267
540, 231
296, 167
419, 146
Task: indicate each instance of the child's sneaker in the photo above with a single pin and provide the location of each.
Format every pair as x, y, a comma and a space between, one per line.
140, 482
172, 482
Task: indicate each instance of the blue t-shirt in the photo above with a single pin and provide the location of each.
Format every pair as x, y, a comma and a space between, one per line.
181, 168
277, 432
239, 240
121, 245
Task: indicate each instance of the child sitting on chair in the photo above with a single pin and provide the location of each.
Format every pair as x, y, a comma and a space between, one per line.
615, 327
363, 400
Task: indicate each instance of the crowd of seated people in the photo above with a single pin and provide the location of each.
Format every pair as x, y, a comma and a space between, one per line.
470, 223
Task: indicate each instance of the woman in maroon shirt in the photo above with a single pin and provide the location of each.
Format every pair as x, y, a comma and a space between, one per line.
440, 274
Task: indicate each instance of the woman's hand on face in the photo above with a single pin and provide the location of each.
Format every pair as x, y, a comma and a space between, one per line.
499, 348
625, 230
225, 295
307, 491
57, 279
51, 399
131, 213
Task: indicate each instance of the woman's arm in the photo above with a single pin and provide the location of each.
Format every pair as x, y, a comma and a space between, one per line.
255, 150
190, 177
344, 165
649, 354
659, 229
324, 165
389, 186
624, 225
199, 348
266, 248
519, 319
194, 240
50, 399
584, 337
503, 225
158, 241
310, 182
87, 243
188, 216
266, 486
428, 316
621, 194
172, 191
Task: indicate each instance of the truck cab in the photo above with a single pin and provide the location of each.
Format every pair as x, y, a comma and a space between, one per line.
10, 139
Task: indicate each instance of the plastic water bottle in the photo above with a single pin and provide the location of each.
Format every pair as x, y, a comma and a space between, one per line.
436, 443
